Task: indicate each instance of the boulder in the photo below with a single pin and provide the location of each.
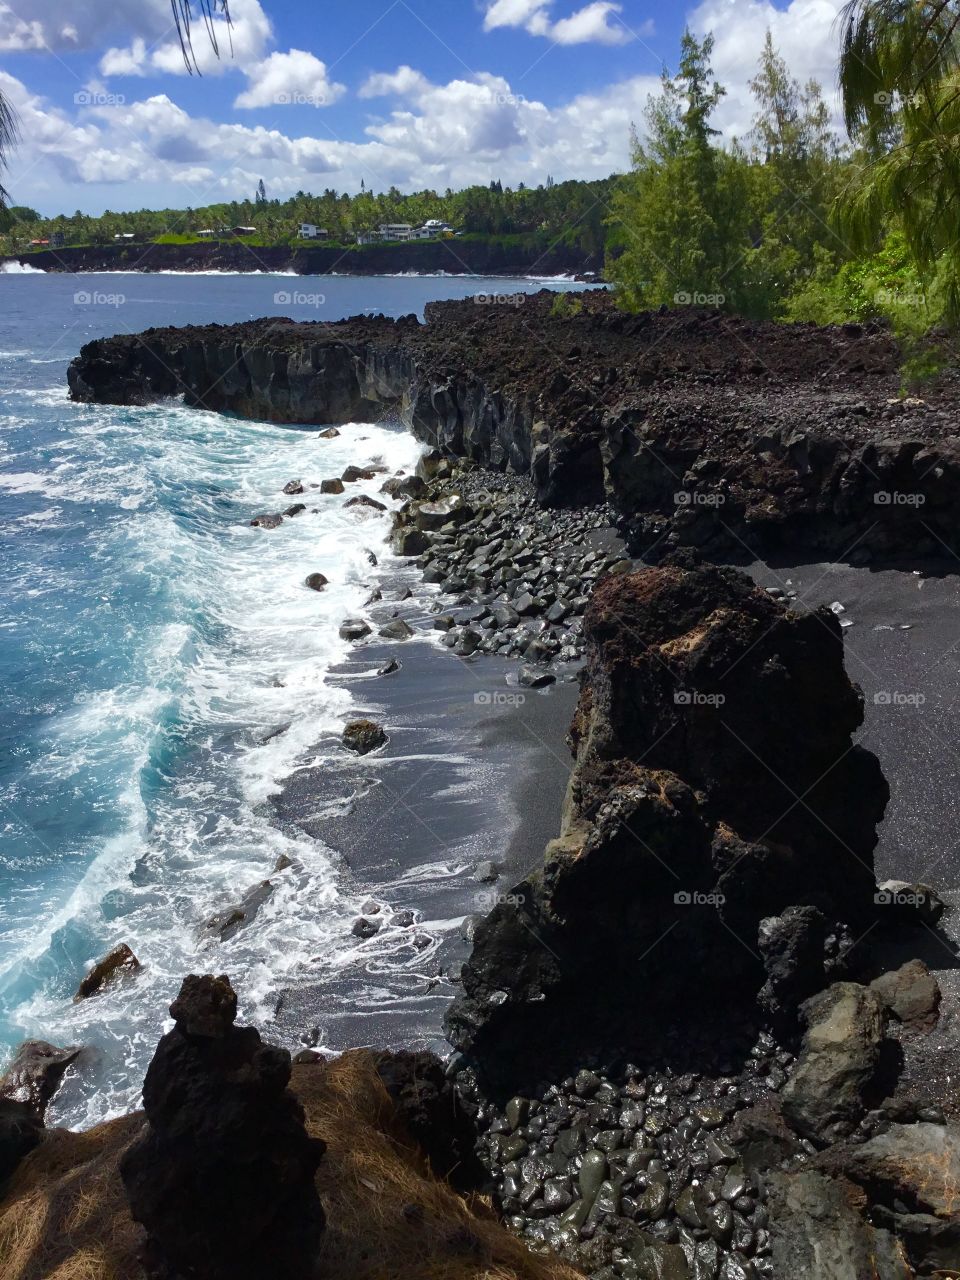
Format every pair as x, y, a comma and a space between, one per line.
914, 1165
365, 502
329, 433
297, 509
333, 485
404, 487
225, 923
818, 1229
447, 510
365, 928
353, 474
293, 487
20, 1131
35, 1073
396, 629
794, 950
839, 1057
363, 736
269, 520
912, 994
316, 581
409, 541
354, 629
222, 1179
118, 963
912, 902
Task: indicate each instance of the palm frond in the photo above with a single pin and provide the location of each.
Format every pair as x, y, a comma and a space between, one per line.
207, 11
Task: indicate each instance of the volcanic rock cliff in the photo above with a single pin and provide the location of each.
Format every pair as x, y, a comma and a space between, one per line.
701, 429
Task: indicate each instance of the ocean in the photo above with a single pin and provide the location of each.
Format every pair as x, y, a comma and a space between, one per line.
151, 644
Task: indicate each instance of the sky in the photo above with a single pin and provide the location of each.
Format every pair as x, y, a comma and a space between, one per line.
401, 93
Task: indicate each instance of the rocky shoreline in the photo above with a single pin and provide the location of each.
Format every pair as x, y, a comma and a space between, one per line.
698, 428
453, 257
680, 1038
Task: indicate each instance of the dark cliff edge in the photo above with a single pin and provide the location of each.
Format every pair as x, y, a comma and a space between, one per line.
701, 429
521, 257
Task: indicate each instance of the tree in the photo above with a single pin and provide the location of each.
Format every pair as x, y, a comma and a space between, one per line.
678, 216
900, 82
261, 197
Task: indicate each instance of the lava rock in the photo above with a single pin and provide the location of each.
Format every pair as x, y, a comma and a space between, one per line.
332, 485
223, 1177
912, 995
316, 581
354, 629
363, 736
269, 520
118, 963
397, 629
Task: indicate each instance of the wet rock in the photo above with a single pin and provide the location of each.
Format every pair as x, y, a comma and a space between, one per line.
389, 668
223, 1177
20, 1131
824, 1097
407, 540
332, 485
35, 1073
297, 509
397, 629
792, 947
293, 487
282, 863
352, 474
118, 963
362, 500
226, 923
354, 629
363, 736
912, 994
404, 487
434, 515
535, 677
659, 1261
486, 872
269, 520
316, 581
366, 928
329, 433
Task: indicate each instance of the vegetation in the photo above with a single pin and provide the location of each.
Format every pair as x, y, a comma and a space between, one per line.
568, 212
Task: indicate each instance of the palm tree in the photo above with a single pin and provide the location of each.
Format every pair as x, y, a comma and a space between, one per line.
900, 82
184, 14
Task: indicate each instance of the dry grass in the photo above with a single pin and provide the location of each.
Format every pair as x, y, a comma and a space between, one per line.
64, 1215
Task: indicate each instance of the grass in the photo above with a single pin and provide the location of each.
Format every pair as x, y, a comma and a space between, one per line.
65, 1217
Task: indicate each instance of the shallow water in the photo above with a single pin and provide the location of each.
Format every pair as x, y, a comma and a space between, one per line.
150, 640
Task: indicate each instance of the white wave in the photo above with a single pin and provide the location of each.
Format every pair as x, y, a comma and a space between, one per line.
20, 269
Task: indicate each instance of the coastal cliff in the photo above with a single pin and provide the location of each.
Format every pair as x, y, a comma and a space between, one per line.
482, 256
700, 429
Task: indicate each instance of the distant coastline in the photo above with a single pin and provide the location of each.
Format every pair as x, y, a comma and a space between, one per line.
486, 256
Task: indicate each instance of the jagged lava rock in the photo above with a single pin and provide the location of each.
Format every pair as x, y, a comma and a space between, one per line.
223, 1177
706, 710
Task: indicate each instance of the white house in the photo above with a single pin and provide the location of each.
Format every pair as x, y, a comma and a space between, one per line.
396, 231
309, 231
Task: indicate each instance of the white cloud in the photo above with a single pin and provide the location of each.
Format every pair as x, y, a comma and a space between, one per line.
402, 83
43, 24
596, 23
241, 45
805, 33
294, 78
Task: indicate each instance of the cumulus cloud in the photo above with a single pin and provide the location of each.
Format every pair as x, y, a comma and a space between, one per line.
402, 83
45, 24
294, 78
805, 32
241, 45
596, 23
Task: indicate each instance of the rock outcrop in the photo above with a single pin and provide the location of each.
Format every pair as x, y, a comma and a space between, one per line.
223, 1177
701, 429
715, 787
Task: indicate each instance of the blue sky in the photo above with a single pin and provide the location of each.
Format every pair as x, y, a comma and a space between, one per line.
400, 92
